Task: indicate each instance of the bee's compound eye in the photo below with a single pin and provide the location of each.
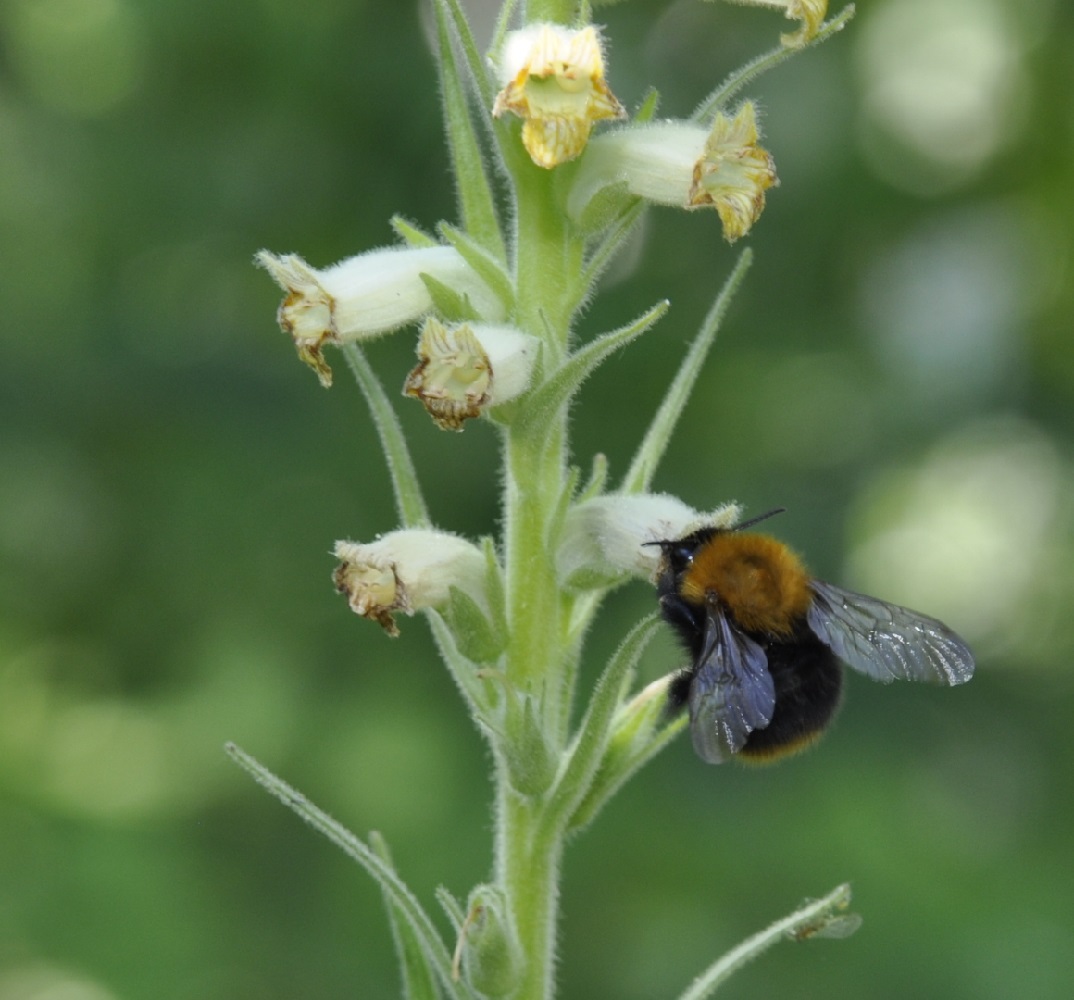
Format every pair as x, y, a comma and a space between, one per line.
681, 554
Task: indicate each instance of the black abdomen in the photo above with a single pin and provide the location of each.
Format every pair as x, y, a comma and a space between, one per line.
808, 680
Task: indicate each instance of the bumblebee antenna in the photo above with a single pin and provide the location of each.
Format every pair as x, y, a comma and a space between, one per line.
760, 517
667, 542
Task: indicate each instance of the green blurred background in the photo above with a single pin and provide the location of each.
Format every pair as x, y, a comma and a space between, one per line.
898, 372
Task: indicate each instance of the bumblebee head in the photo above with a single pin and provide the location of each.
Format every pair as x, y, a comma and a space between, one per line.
678, 553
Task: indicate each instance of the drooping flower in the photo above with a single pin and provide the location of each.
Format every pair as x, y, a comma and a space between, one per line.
554, 80
734, 173
809, 12
465, 369
682, 164
406, 571
366, 295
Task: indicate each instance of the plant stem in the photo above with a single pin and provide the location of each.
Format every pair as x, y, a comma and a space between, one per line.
527, 849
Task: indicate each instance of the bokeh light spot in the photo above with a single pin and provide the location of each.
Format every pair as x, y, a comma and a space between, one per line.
82, 57
967, 535
944, 89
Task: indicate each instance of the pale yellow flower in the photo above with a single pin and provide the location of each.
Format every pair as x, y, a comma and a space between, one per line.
554, 81
465, 369
365, 296
405, 571
682, 164
734, 173
809, 12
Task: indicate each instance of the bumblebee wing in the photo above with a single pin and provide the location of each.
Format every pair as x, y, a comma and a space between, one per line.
885, 641
732, 692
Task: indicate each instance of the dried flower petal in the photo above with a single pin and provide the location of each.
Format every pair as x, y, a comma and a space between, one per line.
554, 80
406, 571
734, 173
680, 163
809, 12
366, 295
465, 369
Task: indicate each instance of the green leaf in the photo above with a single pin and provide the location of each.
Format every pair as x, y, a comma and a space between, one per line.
495, 593
610, 244
604, 207
477, 204
475, 636
452, 306
487, 267
584, 757
806, 922
451, 906
559, 515
530, 766
598, 476
640, 731
463, 670
408, 496
411, 234
648, 107
652, 448
405, 902
419, 980
474, 62
543, 405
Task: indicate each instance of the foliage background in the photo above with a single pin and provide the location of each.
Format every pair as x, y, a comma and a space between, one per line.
898, 372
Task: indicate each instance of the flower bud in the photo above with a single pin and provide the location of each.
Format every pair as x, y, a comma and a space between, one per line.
604, 539
554, 80
465, 369
367, 295
406, 571
488, 948
684, 165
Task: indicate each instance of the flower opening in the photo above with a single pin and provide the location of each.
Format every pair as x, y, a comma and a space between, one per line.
734, 173
554, 81
406, 571
463, 370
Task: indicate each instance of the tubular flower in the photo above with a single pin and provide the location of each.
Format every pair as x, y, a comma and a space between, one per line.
809, 12
406, 571
365, 296
465, 369
554, 80
682, 164
605, 538
734, 173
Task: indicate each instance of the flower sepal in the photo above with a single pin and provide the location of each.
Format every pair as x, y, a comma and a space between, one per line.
477, 636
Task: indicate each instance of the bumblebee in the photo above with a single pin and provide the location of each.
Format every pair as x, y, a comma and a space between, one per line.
768, 643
